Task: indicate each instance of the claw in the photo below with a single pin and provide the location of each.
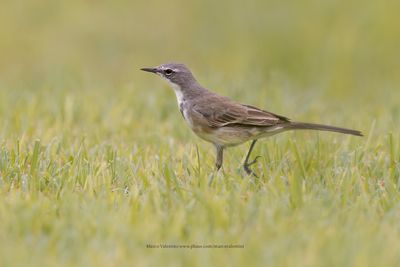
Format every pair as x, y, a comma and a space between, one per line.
250, 171
247, 165
253, 162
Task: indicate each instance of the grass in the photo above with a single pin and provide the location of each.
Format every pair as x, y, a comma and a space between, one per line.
96, 162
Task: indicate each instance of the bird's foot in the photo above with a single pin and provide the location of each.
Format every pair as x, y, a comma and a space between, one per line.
219, 172
211, 178
247, 165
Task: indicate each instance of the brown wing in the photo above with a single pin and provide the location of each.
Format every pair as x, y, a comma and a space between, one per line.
224, 112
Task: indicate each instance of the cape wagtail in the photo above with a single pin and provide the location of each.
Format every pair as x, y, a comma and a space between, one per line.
224, 122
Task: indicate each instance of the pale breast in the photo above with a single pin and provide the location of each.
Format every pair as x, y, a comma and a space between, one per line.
193, 121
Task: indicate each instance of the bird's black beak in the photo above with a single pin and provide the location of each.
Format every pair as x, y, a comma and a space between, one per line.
153, 70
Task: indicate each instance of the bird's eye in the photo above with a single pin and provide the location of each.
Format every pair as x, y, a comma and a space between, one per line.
168, 71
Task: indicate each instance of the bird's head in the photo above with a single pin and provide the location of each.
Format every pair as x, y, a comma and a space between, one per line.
175, 73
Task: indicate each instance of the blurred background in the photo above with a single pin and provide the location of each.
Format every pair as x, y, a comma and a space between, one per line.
77, 62
95, 156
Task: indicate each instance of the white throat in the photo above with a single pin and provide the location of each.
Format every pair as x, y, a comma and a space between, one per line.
178, 92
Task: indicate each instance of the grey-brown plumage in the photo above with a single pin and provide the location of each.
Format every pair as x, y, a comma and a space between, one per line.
224, 122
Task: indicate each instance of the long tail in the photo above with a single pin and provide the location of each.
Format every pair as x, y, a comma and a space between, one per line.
320, 127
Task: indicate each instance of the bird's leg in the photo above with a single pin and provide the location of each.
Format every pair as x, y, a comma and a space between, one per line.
218, 161
220, 157
246, 163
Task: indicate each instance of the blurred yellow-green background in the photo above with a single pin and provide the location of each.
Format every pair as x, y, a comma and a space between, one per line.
337, 44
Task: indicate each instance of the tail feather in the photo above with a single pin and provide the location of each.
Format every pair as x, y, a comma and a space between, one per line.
321, 127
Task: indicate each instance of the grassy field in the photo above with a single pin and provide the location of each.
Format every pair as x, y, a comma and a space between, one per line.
97, 164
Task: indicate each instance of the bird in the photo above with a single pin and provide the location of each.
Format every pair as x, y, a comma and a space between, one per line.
225, 122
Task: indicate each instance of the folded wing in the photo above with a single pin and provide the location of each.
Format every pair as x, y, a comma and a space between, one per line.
228, 113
